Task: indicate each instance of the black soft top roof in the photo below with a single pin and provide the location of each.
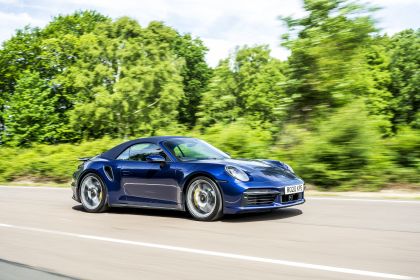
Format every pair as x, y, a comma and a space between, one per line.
117, 150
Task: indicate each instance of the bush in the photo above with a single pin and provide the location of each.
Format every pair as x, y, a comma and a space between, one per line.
344, 152
240, 139
48, 162
405, 152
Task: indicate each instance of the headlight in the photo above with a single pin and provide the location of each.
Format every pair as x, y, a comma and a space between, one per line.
288, 167
237, 173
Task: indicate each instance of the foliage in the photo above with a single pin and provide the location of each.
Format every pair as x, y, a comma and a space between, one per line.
145, 88
32, 115
240, 139
107, 77
378, 81
405, 85
343, 109
406, 147
325, 65
247, 85
48, 163
195, 73
345, 151
48, 52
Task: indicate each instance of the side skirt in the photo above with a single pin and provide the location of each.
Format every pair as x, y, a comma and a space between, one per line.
180, 208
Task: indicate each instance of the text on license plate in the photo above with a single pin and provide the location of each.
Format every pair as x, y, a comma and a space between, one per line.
294, 189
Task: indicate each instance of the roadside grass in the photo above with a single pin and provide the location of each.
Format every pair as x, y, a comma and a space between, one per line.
35, 184
391, 195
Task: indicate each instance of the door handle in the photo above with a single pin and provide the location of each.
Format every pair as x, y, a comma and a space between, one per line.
126, 172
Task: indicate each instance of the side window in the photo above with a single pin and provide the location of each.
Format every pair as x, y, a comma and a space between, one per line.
140, 152
124, 155
178, 152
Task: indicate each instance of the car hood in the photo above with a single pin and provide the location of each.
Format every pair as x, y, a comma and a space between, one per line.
259, 170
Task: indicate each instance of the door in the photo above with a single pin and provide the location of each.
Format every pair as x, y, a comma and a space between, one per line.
150, 184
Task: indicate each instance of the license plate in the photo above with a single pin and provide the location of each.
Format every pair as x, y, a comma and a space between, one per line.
294, 189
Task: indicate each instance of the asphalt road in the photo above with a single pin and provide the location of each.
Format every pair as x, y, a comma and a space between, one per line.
44, 233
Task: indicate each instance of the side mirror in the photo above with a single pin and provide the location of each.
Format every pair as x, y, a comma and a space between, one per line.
155, 158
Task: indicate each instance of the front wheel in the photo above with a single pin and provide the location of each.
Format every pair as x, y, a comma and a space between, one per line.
203, 199
93, 193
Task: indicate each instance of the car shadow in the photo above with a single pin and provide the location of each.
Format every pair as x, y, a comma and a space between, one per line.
142, 211
277, 214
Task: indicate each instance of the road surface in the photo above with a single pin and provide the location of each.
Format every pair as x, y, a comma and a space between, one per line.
45, 234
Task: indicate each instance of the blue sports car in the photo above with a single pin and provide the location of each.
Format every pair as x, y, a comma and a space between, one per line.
186, 174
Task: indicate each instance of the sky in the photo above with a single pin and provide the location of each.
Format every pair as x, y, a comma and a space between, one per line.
221, 24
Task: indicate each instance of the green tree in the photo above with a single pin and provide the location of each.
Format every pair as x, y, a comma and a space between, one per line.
108, 72
48, 52
195, 72
249, 84
326, 64
405, 74
138, 87
195, 76
377, 77
16, 55
32, 115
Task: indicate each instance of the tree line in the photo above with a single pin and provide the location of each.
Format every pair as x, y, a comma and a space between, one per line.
344, 107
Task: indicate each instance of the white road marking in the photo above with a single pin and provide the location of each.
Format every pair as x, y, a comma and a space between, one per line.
213, 253
309, 198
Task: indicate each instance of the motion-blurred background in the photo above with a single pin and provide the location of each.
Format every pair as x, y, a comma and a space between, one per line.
339, 101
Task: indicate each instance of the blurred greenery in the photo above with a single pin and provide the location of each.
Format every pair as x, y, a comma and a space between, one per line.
343, 109
48, 163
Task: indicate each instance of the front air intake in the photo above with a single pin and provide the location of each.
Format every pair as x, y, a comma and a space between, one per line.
260, 197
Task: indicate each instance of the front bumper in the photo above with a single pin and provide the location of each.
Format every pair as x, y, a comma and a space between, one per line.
257, 199
261, 208
74, 191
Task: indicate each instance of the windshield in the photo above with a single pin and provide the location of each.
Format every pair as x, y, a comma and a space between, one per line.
185, 149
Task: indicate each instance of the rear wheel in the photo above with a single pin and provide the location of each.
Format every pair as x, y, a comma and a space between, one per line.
203, 199
93, 193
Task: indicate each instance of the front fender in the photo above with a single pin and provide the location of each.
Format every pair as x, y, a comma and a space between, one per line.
98, 167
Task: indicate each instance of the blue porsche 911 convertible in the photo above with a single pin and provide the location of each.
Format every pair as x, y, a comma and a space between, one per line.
186, 174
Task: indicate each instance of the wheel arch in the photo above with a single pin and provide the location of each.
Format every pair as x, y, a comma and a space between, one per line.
191, 177
96, 172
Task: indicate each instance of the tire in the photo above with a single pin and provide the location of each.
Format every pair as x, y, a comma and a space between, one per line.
203, 199
93, 193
